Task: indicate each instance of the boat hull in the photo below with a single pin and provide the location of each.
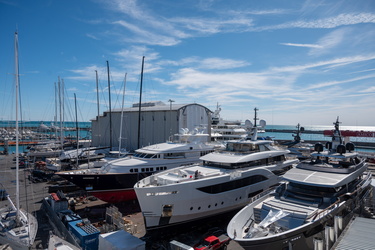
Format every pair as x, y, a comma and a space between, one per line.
111, 188
171, 205
25, 239
115, 196
308, 235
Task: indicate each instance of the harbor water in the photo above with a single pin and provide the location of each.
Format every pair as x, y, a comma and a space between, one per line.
311, 133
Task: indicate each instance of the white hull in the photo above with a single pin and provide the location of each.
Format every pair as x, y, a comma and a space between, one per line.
188, 203
22, 237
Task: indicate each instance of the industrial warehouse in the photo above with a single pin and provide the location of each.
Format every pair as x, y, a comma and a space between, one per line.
153, 122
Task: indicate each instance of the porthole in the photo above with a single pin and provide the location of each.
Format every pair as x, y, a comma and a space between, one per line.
191, 208
209, 206
199, 208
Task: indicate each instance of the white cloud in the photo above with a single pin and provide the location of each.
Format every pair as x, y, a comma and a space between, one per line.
325, 23
92, 36
329, 41
369, 90
302, 45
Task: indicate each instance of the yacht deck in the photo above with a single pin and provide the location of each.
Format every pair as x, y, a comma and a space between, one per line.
186, 174
295, 209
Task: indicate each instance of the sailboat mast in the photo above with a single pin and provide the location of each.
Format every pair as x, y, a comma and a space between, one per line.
55, 118
75, 105
60, 107
110, 109
140, 102
122, 115
97, 90
17, 152
97, 101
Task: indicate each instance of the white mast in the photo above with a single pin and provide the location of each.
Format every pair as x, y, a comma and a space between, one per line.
122, 114
97, 100
55, 119
60, 108
17, 156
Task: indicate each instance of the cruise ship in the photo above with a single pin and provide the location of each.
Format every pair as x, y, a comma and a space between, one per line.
225, 182
316, 199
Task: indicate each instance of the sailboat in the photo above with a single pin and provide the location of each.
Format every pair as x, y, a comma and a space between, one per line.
17, 227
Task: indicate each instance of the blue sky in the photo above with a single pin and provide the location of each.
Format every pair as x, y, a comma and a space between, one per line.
297, 61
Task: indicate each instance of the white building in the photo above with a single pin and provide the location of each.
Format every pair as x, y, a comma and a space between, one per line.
158, 121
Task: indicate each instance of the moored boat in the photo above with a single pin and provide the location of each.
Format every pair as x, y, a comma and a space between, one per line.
114, 182
223, 183
318, 197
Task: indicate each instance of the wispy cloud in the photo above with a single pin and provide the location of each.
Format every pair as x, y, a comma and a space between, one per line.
369, 90
212, 25
150, 27
329, 41
302, 45
144, 36
92, 36
337, 62
331, 83
326, 23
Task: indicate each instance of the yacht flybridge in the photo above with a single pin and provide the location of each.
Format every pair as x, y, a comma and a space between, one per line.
319, 197
225, 182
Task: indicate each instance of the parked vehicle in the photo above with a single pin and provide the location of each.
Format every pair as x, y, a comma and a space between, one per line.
213, 242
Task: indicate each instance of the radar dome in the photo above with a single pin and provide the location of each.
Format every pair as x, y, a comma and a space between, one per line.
262, 123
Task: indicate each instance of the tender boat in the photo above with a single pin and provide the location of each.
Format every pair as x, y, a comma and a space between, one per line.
114, 181
298, 147
317, 199
225, 182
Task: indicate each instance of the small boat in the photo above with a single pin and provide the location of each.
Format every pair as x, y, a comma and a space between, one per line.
225, 182
298, 147
114, 181
316, 198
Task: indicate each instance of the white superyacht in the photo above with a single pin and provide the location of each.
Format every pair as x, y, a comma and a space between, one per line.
115, 180
317, 199
223, 183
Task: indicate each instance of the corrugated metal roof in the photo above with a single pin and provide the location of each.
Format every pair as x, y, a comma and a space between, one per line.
159, 107
360, 235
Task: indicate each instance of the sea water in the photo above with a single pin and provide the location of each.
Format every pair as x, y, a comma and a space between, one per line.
315, 137
84, 130
272, 131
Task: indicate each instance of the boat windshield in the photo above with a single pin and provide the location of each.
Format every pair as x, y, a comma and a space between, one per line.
143, 155
242, 147
311, 190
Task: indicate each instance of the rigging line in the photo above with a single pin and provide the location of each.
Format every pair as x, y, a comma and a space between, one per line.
103, 96
114, 90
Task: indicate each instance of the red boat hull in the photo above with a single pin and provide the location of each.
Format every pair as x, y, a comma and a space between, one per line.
114, 196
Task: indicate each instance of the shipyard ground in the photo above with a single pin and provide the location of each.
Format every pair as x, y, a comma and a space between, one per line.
32, 194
